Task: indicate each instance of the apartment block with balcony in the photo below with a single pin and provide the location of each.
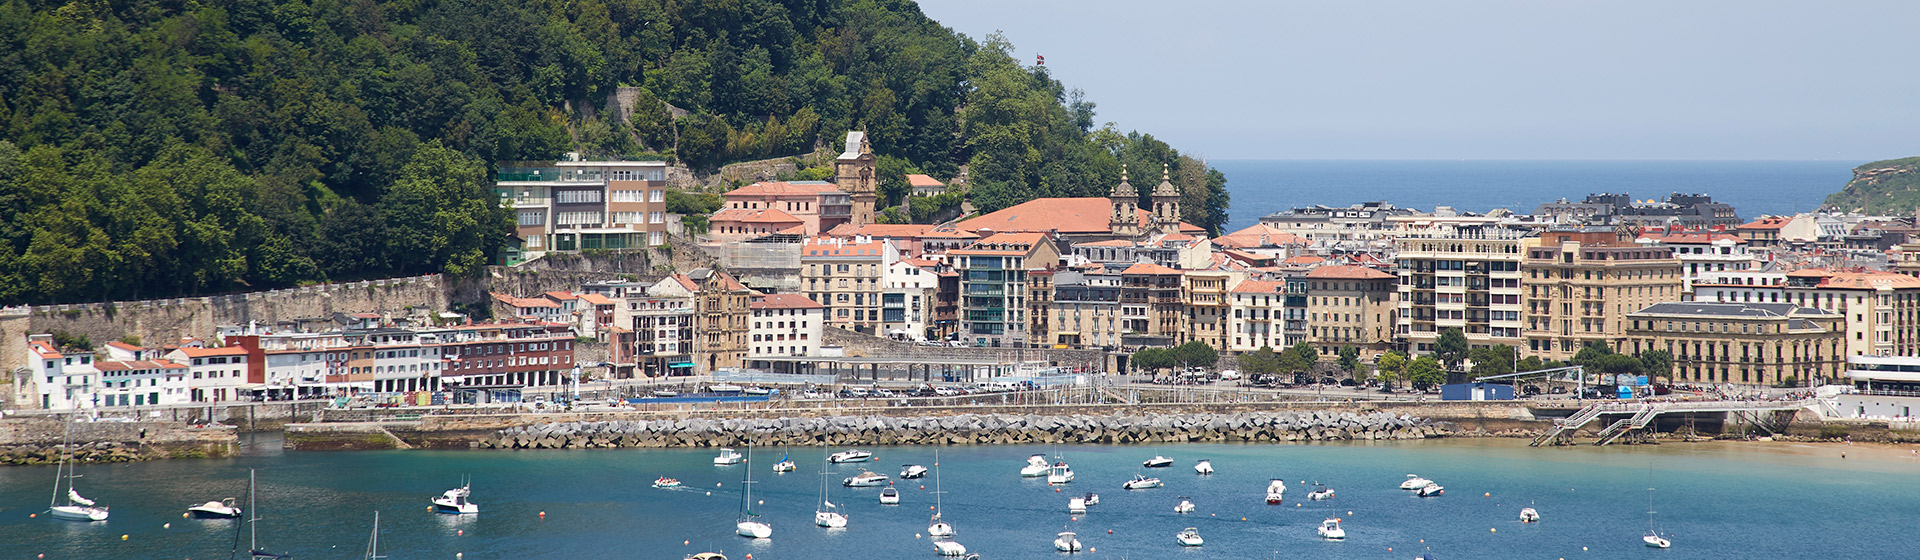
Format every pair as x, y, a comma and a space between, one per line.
1258, 316
1152, 312
573, 205
1085, 309
846, 275
1350, 307
721, 309
993, 300
1208, 306
784, 325
660, 324
907, 294
1881, 309
1466, 278
1580, 286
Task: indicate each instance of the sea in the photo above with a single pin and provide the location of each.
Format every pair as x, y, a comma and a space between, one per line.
1754, 188
1713, 500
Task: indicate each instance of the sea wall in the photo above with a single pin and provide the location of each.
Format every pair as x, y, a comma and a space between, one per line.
865, 345
968, 429
37, 440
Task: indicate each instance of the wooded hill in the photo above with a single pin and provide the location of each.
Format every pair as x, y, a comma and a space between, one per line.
1882, 187
155, 148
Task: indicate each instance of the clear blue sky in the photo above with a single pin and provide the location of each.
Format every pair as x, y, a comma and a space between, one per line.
1484, 79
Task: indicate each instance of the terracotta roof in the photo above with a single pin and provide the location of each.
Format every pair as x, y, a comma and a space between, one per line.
1348, 272
1766, 223
1107, 243
1692, 237
596, 299
685, 282
753, 215
918, 180
1259, 287
784, 301
1017, 238
1178, 237
1066, 215
125, 346
1303, 259
778, 188
204, 352
137, 364
1148, 268
986, 252
1250, 237
840, 247
1869, 281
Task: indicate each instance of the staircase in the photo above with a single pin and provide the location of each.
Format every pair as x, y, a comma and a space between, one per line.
1571, 423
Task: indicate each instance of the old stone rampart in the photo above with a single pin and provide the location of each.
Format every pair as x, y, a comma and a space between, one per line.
869, 346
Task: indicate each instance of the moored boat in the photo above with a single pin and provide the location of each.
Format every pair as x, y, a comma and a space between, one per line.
1203, 467
727, 457
949, 548
1330, 530
1067, 542
664, 482
1059, 473
1158, 461
850, 456
865, 479
1189, 537
889, 497
1276, 491
223, 509
1414, 482
455, 502
1185, 505
1431, 490
1036, 467
912, 471
1319, 493
1141, 482
1076, 505
1529, 515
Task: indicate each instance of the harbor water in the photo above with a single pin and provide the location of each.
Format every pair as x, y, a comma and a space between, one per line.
1714, 500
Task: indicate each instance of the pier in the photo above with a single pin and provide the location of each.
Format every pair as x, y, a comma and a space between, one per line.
1633, 416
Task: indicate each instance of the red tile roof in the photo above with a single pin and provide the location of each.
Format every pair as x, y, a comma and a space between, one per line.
1259, 287
1347, 272
1766, 223
204, 352
1149, 268
1084, 215
1251, 237
918, 180
754, 216
778, 188
596, 299
784, 301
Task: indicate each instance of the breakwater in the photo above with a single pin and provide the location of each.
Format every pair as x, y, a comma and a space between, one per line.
37, 441
965, 429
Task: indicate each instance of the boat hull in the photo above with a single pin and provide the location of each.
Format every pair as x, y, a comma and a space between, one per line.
829, 520
940, 530
1066, 544
450, 509
78, 513
753, 530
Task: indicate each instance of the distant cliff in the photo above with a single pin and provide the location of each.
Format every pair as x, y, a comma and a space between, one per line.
1882, 187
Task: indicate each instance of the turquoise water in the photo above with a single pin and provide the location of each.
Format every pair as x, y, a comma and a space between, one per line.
1716, 501
1754, 188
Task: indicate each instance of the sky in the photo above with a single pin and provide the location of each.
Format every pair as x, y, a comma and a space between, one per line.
1483, 79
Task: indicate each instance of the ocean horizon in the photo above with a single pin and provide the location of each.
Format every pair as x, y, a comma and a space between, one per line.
1754, 187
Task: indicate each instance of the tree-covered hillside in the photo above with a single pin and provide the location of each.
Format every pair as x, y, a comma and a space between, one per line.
154, 148
1882, 187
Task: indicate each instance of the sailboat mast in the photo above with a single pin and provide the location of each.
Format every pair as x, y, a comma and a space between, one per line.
373, 544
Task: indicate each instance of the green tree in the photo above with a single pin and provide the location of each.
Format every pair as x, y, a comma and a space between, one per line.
1349, 360
1298, 358
1451, 347
1262, 361
1424, 372
1657, 363
1196, 354
1495, 359
440, 215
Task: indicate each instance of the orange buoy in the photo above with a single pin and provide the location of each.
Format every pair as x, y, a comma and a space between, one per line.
460, 533
1109, 531
543, 515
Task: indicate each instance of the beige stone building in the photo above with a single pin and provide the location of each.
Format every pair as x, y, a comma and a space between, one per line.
1580, 286
721, 309
1208, 307
1881, 309
845, 275
1351, 307
1741, 343
1258, 316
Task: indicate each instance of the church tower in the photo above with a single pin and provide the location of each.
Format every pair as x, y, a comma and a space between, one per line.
1125, 220
1166, 204
853, 173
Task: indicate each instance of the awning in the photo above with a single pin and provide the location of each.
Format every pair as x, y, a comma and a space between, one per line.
681, 364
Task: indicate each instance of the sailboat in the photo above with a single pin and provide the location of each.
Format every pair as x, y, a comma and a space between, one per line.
938, 528
78, 508
1653, 538
253, 533
785, 465
749, 525
373, 543
826, 516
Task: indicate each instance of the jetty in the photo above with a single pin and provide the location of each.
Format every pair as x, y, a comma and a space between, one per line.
1629, 417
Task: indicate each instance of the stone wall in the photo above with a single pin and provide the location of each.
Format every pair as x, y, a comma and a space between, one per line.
37, 440
864, 345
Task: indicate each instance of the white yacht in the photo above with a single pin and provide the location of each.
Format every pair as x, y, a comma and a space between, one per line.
1330, 530
850, 456
664, 482
1076, 505
1529, 515
865, 479
1158, 461
949, 548
1067, 542
1189, 537
748, 524
727, 457
725, 388
889, 497
1320, 493
1036, 467
827, 515
1185, 506
1141, 482
912, 471
223, 509
78, 508
1414, 482
1431, 490
1653, 538
1059, 473
1276, 491
455, 502
1203, 467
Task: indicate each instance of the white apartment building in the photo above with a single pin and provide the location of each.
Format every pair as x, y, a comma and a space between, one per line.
784, 325
142, 383
214, 374
1703, 253
1742, 286
1258, 316
1466, 278
906, 299
66, 379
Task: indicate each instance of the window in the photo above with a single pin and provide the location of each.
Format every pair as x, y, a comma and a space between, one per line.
577, 218
626, 217
656, 195
656, 217
577, 197
627, 195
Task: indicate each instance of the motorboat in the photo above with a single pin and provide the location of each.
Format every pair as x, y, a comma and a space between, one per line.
1431, 490
949, 548
1330, 530
1203, 467
1157, 462
707, 556
1276, 490
1414, 482
726, 388
1036, 467
748, 523
1067, 542
1529, 515
455, 502
1059, 473
849, 456
727, 457
1189, 537
664, 482
757, 391
1092, 499
1320, 493
1185, 506
223, 509
889, 497
865, 479
912, 471
663, 393
1076, 505
1141, 482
